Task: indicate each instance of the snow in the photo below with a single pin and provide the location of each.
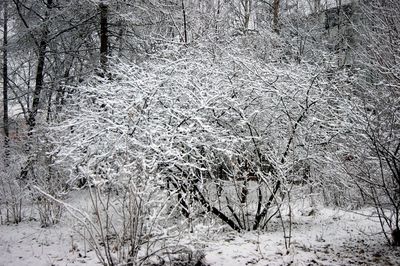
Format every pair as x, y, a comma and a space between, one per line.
26, 244
332, 237
320, 236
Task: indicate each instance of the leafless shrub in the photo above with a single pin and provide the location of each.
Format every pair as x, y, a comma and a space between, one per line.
47, 178
50, 212
11, 197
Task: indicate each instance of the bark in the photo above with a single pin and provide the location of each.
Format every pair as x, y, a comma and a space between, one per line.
103, 36
276, 16
5, 83
39, 82
184, 23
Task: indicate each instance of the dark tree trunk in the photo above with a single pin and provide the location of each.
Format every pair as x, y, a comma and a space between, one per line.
276, 15
5, 83
39, 82
103, 36
184, 23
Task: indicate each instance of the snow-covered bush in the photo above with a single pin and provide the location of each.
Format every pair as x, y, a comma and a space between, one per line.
224, 133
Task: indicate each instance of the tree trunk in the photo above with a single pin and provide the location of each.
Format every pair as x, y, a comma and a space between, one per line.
184, 23
103, 36
5, 83
276, 15
39, 82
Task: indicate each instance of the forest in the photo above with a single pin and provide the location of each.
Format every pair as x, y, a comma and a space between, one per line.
200, 132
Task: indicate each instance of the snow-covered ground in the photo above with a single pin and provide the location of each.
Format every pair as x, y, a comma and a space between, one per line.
320, 236
330, 237
28, 244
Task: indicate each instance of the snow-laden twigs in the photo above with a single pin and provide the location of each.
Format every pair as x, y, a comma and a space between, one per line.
211, 132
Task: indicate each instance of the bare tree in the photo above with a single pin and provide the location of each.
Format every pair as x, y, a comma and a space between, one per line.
41, 44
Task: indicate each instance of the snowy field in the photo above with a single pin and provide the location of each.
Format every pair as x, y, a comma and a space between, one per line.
320, 236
